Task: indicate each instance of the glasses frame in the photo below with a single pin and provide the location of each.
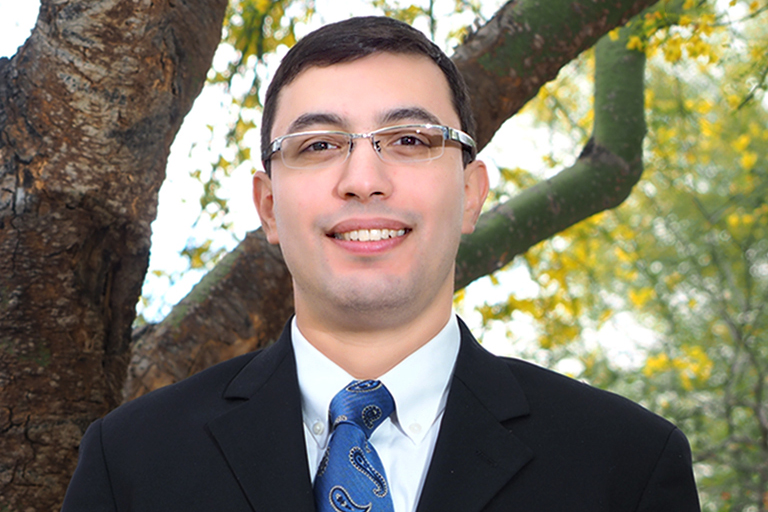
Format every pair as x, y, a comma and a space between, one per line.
449, 134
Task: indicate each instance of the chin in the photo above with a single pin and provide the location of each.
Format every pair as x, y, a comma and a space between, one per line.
373, 304
375, 298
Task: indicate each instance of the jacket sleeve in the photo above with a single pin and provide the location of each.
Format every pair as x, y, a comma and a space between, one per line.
671, 487
90, 488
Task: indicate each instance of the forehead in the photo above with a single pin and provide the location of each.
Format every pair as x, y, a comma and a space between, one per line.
362, 93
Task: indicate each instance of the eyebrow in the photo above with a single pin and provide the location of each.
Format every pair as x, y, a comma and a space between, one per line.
408, 113
311, 119
305, 121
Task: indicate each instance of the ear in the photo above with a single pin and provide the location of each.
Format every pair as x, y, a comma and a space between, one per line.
475, 192
265, 205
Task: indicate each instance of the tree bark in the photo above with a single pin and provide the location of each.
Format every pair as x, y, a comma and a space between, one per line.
88, 109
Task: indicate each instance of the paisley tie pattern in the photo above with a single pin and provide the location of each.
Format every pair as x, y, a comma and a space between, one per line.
351, 477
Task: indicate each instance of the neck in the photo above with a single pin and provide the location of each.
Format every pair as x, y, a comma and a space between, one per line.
368, 350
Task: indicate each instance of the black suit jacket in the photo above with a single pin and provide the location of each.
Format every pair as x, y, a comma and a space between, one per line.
514, 437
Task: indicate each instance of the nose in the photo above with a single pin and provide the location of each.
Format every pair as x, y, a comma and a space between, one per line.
364, 175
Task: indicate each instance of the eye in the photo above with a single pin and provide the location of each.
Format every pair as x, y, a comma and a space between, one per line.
410, 139
318, 146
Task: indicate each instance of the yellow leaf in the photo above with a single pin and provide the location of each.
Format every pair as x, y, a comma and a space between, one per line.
649, 99
704, 107
635, 43
605, 316
656, 364
708, 19
748, 160
741, 143
622, 255
525, 306
641, 297
673, 49
733, 100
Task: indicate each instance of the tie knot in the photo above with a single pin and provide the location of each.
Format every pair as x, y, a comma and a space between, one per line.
364, 403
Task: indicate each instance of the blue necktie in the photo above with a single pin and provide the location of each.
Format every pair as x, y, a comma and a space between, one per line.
351, 477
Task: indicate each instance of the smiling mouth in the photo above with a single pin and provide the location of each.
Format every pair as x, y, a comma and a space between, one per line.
370, 235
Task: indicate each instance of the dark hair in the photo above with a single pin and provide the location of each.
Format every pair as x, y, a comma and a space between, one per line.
353, 39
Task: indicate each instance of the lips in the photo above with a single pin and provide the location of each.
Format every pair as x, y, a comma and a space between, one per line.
369, 235
369, 230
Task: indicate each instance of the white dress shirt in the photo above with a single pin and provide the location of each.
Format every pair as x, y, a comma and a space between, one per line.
406, 440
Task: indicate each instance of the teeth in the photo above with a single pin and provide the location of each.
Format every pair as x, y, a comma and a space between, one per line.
370, 235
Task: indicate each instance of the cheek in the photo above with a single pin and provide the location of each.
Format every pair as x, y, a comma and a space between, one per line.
292, 205
449, 195
444, 204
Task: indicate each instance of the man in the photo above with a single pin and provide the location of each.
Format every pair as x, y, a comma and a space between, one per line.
370, 181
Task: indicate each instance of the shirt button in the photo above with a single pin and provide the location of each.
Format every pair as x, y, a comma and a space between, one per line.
415, 428
318, 428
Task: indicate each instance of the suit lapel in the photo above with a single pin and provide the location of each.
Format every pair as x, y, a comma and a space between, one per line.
263, 439
475, 455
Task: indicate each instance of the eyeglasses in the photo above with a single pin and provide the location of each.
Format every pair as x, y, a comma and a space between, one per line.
408, 143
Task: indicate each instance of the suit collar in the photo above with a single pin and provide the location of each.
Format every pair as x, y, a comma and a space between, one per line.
489, 379
475, 455
262, 438
262, 367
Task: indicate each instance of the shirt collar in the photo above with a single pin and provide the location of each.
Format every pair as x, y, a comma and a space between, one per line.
419, 384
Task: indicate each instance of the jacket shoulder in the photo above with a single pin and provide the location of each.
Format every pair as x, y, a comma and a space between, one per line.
198, 394
552, 393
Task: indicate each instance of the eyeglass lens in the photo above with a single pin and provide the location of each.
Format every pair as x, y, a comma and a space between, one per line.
398, 144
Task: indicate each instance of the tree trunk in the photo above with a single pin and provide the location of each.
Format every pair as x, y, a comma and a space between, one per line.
88, 110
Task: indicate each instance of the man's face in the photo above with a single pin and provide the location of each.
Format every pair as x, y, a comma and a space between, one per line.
322, 217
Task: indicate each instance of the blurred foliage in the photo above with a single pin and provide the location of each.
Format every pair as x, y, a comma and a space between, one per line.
410, 12
686, 254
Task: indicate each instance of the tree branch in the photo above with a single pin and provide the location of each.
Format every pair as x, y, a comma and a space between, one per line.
240, 305
601, 178
525, 45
